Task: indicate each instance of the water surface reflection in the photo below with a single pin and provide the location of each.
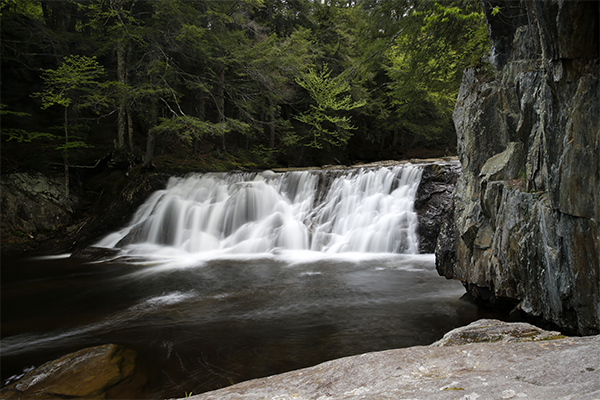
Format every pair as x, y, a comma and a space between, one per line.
200, 324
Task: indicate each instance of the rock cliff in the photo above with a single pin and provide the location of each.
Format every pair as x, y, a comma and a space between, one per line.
433, 200
525, 224
33, 208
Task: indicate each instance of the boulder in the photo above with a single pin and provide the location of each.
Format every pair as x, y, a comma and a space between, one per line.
488, 359
505, 165
493, 330
102, 372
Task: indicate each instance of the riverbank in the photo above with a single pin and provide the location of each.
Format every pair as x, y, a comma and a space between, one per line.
487, 359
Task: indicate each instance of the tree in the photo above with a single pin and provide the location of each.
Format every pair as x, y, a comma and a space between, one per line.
114, 28
328, 127
75, 80
234, 74
438, 41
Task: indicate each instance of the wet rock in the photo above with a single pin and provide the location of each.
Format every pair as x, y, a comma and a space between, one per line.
101, 372
445, 248
33, 203
433, 199
33, 208
95, 253
505, 165
526, 207
35, 217
485, 360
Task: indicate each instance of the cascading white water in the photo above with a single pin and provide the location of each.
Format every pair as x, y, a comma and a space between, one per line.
359, 210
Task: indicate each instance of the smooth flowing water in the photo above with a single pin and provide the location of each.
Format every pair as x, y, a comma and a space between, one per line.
358, 210
224, 278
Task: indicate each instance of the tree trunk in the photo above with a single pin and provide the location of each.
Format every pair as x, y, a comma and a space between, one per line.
151, 136
382, 144
271, 123
66, 159
221, 103
130, 129
128, 108
122, 111
201, 116
396, 137
150, 148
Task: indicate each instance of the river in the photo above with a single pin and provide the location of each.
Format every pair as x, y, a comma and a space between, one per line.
282, 276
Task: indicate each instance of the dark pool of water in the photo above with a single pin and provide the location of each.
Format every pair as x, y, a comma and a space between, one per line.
202, 324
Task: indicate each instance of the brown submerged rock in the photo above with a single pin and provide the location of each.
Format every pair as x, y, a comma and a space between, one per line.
102, 372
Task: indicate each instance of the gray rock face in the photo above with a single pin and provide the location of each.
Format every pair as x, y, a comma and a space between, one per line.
33, 203
526, 219
35, 217
485, 360
433, 200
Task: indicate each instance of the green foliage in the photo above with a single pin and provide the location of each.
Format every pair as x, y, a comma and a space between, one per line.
74, 144
30, 8
440, 40
21, 135
189, 128
327, 126
75, 73
271, 75
74, 79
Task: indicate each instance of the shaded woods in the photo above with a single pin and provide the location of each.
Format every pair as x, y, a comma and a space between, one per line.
249, 83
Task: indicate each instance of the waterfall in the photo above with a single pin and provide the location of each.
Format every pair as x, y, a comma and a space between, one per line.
366, 210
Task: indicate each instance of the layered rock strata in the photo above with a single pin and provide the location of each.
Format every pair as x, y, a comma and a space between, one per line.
525, 224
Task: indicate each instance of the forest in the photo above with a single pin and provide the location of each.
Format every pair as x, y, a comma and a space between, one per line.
205, 84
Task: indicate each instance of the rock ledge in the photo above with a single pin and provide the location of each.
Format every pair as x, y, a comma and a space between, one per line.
487, 359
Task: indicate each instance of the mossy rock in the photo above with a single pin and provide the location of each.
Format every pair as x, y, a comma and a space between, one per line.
491, 330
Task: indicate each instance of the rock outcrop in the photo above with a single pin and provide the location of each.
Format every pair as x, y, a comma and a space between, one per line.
525, 224
34, 206
34, 202
36, 219
488, 359
433, 200
101, 372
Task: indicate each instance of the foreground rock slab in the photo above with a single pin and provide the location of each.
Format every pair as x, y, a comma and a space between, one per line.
488, 359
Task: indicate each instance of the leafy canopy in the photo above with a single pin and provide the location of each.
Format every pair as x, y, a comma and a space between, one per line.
328, 126
74, 73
